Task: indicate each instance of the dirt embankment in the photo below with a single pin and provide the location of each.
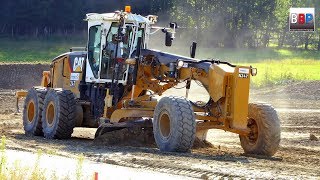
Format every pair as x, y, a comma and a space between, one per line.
299, 95
21, 76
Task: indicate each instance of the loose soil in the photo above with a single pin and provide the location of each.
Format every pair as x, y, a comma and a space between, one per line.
221, 156
21, 76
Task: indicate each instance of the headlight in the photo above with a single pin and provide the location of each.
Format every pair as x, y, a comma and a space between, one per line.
180, 64
254, 71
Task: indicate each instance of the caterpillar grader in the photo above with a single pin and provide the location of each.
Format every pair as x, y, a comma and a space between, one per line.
111, 85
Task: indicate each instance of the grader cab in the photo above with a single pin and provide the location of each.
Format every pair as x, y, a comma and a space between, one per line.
111, 85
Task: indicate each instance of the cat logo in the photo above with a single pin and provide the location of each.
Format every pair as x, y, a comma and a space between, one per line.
77, 64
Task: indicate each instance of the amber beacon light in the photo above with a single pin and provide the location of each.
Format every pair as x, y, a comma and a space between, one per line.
127, 9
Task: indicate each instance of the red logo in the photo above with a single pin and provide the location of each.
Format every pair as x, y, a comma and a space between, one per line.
301, 19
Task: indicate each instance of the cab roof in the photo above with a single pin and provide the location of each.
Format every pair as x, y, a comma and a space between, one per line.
133, 18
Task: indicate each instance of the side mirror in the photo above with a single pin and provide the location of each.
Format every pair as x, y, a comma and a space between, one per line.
193, 49
168, 39
173, 25
170, 33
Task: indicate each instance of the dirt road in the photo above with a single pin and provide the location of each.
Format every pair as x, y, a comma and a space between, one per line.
298, 107
57, 167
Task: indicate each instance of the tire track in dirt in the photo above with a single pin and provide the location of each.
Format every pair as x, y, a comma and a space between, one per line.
204, 163
249, 167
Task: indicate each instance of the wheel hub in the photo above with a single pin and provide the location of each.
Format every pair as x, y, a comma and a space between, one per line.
31, 111
50, 113
164, 124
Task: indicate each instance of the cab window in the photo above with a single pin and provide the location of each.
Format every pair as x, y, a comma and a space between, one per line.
94, 48
113, 50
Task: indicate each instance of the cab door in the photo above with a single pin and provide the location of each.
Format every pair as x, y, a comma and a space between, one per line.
94, 53
102, 54
114, 50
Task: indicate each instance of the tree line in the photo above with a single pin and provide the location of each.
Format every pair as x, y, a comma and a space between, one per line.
52, 17
213, 23
245, 23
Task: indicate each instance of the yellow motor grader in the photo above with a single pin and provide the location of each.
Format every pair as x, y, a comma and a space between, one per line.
112, 83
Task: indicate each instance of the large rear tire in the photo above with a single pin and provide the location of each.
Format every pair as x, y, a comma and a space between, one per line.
264, 125
58, 115
174, 125
32, 111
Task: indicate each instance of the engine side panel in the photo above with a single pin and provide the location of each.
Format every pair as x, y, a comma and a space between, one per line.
67, 71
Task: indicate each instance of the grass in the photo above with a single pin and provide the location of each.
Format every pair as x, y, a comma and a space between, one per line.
45, 49
34, 51
16, 171
3, 158
275, 66
274, 72
79, 166
37, 173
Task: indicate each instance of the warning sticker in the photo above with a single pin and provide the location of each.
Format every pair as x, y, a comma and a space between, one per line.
243, 70
74, 76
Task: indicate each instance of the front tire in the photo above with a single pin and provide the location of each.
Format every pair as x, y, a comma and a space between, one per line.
264, 125
32, 111
174, 125
58, 115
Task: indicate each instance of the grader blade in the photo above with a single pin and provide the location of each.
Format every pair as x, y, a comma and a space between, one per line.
105, 128
109, 127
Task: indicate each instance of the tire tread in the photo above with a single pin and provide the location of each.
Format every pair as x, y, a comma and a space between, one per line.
186, 125
38, 95
269, 130
66, 115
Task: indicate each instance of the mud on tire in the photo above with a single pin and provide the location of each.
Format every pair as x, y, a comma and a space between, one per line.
58, 115
174, 125
32, 111
264, 138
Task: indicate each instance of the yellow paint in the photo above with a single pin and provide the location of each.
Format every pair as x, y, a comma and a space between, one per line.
61, 76
218, 80
239, 99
